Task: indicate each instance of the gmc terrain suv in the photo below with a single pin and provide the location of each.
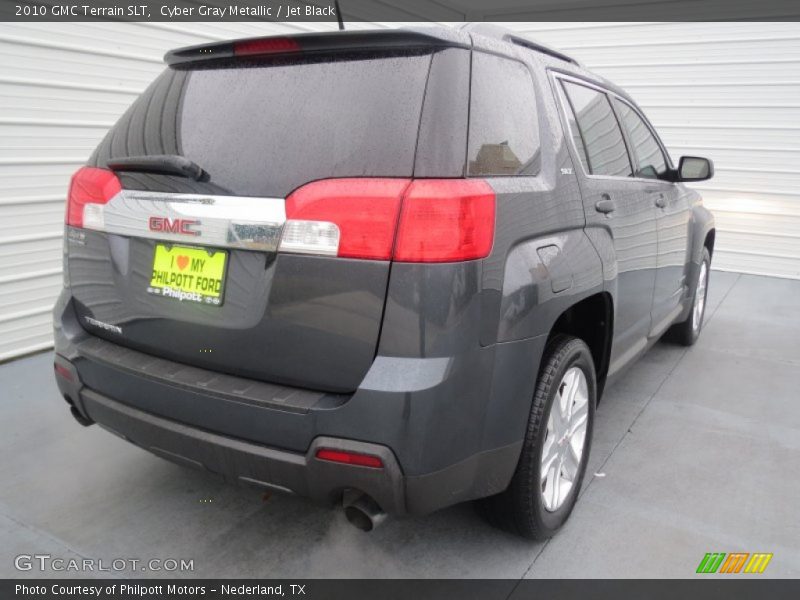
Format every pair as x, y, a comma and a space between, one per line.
391, 269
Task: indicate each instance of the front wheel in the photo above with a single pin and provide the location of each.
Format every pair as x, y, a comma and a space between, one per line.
686, 333
545, 485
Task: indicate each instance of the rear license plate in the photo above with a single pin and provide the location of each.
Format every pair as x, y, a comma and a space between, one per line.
187, 273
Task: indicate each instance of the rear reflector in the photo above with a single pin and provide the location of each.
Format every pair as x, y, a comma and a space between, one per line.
89, 190
63, 371
350, 458
424, 220
265, 46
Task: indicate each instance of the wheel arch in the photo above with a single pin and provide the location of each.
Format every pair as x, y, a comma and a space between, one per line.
710, 238
704, 233
591, 320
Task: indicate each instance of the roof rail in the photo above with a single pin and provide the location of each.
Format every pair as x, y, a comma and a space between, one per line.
501, 33
521, 41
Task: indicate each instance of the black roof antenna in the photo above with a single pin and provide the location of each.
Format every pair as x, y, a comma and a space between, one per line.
339, 15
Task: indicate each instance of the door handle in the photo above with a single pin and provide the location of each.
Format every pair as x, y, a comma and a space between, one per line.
605, 205
661, 202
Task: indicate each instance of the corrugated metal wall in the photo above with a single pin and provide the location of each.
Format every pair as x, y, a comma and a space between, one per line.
730, 91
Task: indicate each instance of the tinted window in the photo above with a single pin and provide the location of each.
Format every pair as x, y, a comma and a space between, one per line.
645, 147
503, 125
265, 129
604, 147
574, 131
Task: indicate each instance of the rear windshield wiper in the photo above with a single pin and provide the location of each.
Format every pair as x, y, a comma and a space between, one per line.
171, 164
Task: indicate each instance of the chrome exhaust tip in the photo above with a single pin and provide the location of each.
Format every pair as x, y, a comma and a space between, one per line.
363, 512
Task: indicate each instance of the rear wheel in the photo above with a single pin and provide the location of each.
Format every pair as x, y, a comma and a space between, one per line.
545, 486
686, 333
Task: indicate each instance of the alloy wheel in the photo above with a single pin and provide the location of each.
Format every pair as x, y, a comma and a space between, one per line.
565, 438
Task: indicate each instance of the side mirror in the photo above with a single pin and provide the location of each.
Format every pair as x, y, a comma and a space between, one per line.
695, 168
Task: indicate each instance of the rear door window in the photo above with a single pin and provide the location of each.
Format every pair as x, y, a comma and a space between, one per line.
604, 151
652, 162
503, 122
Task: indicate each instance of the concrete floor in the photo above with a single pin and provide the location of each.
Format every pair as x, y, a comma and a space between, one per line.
699, 451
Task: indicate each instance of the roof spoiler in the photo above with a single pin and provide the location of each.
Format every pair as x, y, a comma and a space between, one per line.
311, 43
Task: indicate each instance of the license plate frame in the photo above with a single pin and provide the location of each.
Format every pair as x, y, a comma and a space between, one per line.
179, 273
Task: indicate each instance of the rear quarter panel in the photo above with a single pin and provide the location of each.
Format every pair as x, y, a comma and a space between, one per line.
542, 261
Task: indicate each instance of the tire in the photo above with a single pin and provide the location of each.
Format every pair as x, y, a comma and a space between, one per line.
528, 507
687, 332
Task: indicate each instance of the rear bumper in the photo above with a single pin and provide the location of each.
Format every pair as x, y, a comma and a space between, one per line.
251, 464
271, 469
440, 437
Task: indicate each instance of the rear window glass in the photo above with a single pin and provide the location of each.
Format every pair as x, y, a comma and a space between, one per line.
503, 124
266, 129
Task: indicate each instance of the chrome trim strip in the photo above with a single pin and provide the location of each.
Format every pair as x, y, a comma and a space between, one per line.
248, 223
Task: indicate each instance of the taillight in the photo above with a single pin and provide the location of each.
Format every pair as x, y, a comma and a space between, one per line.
446, 220
276, 45
425, 220
350, 458
89, 190
352, 218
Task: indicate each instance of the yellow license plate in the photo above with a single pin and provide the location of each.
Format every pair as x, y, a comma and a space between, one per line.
192, 274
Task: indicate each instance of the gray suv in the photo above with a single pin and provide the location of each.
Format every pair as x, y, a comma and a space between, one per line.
391, 269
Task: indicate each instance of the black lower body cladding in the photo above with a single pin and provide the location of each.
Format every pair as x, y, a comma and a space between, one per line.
446, 428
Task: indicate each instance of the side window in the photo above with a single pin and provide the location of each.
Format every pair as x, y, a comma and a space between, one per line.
503, 123
652, 162
574, 132
604, 151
